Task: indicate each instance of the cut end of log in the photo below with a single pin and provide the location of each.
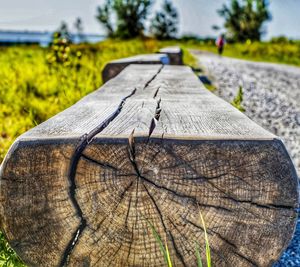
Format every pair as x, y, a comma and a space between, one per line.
122, 187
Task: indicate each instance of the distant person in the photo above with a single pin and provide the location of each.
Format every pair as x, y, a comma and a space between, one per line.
220, 42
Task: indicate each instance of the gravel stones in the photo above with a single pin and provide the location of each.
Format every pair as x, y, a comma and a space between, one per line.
272, 100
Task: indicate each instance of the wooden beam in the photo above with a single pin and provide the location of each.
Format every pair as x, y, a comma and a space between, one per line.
113, 68
175, 54
152, 146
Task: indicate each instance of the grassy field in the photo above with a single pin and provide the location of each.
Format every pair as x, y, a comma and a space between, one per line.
286, 53
34, 87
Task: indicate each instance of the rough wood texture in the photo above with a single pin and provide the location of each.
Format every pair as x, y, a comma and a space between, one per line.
152, 146
174, 53
113, 68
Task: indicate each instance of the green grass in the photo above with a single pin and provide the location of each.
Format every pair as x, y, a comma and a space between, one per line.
237, 102
163, 247
207, 247
188, 58
8, 258
165, 250
32, 90
286, 53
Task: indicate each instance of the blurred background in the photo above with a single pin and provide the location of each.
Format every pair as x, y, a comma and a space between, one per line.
35, 21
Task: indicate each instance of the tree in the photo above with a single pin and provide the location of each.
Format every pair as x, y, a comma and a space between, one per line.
79, 28
59, 53
165, 23
63, 32
104, 17
244, 19
130, 17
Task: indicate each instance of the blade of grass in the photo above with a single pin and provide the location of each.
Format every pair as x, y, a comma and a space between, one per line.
168, 255
198, 256
207, 248
159, 241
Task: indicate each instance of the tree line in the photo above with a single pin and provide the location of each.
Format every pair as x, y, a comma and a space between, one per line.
131, 16
243, 19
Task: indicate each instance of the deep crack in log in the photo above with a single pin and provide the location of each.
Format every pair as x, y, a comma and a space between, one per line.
86, 139
154, 77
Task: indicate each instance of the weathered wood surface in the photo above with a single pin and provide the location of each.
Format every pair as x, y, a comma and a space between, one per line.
153, 145
113, 68
174, 53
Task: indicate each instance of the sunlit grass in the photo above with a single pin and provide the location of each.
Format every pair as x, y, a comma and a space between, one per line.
207, 247
237, 102
163, 247
8, 257
287, 53
165, 251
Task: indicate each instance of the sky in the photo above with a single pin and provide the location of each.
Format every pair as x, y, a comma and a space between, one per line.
196, 16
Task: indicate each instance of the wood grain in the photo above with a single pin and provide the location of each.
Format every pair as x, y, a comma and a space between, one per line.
151, 146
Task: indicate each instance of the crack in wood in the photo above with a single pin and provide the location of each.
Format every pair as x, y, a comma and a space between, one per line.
156, 92
132, 158
167, 232
182, 236
181, 258
260, 205
227, 195
131, 153
85, 140
193, 199
153, 78
136, 218
210, 231
157, 209
102, 164
155, 119
127, 213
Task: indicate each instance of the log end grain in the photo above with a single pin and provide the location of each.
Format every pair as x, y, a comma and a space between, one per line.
246, 191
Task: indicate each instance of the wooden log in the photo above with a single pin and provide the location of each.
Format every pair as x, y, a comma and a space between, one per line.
174, 53
113, 68
152, 147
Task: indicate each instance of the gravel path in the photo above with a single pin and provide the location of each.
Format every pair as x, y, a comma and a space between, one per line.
271, 99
